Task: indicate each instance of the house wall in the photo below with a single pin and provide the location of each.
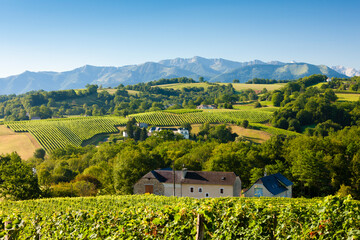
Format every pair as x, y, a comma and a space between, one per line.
266, 193
213, 190
139, 187
169, 189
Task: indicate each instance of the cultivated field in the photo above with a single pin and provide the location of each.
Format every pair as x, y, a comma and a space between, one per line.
22, 143
157, 217
58, 133
162, 118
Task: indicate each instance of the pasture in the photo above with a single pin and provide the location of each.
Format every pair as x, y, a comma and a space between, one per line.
350, 97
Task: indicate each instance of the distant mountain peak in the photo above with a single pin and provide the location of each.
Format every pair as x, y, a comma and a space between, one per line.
212, 69
350, 72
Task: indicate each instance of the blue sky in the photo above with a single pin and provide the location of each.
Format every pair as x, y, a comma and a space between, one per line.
59, 35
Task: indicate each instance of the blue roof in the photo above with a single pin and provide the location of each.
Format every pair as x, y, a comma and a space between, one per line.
276, 183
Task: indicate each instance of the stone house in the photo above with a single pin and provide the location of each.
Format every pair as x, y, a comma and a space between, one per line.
196, 184
206, 107
275, 185
182, 131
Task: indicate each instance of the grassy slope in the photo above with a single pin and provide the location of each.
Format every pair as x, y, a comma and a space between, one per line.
237, 86
23, 143
352, 97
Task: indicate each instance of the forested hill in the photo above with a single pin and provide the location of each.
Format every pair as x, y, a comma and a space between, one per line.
321, 158
212, 70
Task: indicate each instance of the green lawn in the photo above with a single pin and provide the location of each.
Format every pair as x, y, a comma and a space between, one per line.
183, 85
244, 86
237, 86
351, 97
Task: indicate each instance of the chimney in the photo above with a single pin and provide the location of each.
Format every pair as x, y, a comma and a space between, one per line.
184, 171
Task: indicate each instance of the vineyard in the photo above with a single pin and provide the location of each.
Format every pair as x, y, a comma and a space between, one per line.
156, 217
58, 133
211, 116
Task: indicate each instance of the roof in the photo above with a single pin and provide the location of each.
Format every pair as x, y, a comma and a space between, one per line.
193, 177
275, 183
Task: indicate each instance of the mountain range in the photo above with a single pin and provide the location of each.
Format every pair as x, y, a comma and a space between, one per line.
213, 70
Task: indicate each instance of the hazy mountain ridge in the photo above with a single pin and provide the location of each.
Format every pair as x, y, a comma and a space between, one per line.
350, 72
213, 70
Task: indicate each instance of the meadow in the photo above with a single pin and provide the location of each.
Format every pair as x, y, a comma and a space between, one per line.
351, 97
158, 217
237, 86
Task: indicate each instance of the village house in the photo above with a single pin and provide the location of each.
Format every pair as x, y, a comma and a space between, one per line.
182, 131
196, 184
206, 107
275, 185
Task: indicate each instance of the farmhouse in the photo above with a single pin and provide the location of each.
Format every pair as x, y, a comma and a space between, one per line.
182, 131
206, 107
196, 184
275, 185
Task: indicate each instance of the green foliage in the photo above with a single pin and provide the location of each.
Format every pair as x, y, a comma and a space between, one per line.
39, 153
155, 217
17, 179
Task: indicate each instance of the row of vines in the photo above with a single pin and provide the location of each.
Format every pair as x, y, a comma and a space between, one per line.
212, 116
58, 133
156, 217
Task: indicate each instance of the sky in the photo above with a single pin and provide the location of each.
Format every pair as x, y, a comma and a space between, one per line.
60, 35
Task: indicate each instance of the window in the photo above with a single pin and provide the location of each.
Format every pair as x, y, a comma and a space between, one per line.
221, 190
200, 189
258, 192
191, 189
206, 194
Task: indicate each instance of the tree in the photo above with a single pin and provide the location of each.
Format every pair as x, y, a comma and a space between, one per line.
17, 179
245, 124
143, 134
131, 164
130, 129
277, 99
257, 105
39, 153
330, 95
201, 79
186, 126
222, 133
236, 81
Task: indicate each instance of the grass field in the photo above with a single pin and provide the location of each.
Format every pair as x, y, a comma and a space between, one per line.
22, 143
243, 86
267, 106
183, 85
113, 90
237, 86
352, 97
250, 134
